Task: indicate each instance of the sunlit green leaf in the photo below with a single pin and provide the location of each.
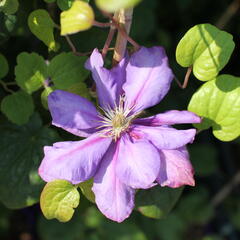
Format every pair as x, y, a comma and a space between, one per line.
9, 6
42, 26
157, 202
67, 69
207, 48
18, 107
21, 150
113, 5
218, 102
79, 17
58, 200
4, 68
31, 71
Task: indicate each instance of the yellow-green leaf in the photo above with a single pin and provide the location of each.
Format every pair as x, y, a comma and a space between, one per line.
79, 17
58, 200
207, 49
218, 102
42, 26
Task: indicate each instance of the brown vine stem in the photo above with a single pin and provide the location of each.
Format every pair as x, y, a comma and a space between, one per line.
187, 76
228, 14
124, 20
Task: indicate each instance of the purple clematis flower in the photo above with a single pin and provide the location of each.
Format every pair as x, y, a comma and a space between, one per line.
122, 153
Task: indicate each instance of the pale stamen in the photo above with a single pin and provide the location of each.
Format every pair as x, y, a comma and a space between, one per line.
116, 121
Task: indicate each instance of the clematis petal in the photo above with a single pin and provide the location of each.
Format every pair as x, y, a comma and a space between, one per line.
169, 118
148, 78
164, 137
73, 161
175, 169
109, 82
138, 162
73, 113
114, 199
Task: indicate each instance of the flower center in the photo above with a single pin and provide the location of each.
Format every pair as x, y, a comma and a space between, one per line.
116, 121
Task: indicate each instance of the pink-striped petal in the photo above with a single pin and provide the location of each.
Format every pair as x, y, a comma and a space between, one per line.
138, 162
148, 78
73, 113
113, 198
109, 82
73, 161
169, 118
164, 137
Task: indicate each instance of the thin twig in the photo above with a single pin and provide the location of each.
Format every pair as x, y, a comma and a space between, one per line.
108, 41
70, 43
186, 79
228, 14
226, 190
102, 25
5, 87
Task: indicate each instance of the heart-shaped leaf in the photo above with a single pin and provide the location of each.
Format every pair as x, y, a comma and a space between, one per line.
42, 26
207, 49
58, 200
31, 71
18, 107
218, 102
67, 69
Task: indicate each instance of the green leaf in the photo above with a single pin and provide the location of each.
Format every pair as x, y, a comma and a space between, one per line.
18, 107
10, 22
86, 188
4, 68
31, 71
64, 4
113, 5
44, 96
79, 17
67, 69
157, 202
21, 150
9, 6
207, 48
58, 200
80, 89
42, 26
218, 102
